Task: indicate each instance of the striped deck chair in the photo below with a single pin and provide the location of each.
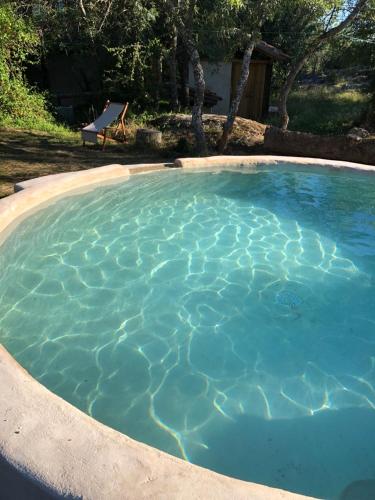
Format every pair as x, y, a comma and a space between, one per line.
112, 111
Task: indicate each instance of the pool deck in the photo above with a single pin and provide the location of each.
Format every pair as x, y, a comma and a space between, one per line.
50, 449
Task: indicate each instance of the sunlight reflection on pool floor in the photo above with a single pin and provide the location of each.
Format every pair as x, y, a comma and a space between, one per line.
229, 320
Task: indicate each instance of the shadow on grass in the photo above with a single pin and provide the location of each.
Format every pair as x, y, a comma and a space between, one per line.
26, 155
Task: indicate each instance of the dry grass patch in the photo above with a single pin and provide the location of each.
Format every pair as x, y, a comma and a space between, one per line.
29, 154
26, 155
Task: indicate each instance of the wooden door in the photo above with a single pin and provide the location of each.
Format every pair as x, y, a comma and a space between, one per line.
251, 105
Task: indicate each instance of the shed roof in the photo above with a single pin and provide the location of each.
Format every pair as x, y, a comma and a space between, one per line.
271, 51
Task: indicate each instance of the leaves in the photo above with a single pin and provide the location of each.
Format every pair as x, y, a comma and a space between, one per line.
19, 44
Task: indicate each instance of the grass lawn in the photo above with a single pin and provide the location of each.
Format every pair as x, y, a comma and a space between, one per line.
325, 110
27, 154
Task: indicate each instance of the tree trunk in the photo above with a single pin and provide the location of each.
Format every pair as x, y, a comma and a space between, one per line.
196, 117
245, 71
287, 87
173, 72
200, 85
158, 72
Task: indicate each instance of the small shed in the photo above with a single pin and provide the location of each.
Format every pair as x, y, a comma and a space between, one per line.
222, 78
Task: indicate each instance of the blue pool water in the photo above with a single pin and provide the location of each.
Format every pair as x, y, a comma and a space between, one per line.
224, 317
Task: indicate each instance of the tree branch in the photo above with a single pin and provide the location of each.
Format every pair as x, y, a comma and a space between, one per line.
330, 17
109, 6
82, 7
340, 27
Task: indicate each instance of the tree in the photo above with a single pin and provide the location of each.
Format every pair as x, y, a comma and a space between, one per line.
246, 28
239, 23
19, 44
127, 38
183, 14
331, 28
174, 101
172, 62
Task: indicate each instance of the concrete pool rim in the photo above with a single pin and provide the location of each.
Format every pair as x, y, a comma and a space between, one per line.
53, 447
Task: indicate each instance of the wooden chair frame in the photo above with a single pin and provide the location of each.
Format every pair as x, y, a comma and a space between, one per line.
119, 127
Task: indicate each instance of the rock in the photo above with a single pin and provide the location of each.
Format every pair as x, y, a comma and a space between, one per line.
358, 133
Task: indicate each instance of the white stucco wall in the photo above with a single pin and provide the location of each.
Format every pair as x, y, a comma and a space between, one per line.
218, 80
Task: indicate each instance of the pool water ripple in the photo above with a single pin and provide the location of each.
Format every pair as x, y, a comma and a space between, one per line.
228, 319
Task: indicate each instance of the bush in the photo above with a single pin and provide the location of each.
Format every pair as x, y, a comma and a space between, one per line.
20, 105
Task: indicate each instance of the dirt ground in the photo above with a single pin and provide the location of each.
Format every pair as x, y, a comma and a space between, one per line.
26, 155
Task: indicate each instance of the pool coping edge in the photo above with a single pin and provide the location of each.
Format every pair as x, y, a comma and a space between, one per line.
254, 160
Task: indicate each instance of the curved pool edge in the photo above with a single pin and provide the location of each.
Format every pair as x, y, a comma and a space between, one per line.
55, 449
35, 193
52, 446
244, 161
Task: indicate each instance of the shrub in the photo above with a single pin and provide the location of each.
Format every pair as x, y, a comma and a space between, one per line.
20, 105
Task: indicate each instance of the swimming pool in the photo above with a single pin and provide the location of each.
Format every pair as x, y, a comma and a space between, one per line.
225, 317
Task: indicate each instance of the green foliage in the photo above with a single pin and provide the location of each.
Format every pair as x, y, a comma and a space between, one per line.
225, 26
295, 24
325, 110
18, 43
126, 36
357, 46
28, 109
132, 39
20, 106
